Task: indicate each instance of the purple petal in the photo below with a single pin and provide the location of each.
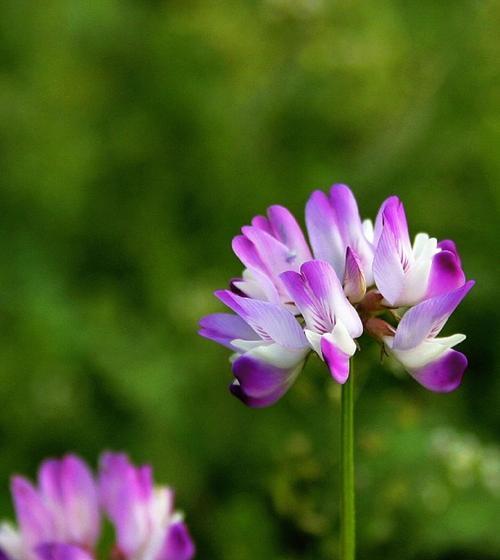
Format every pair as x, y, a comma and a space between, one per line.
346, 212
392, 216
428, 318
354, 279
225, 327
260, 384
178, 543
276, 256
349, 222
324, 233
449, 245
35, 520
443, 375
336, 360
261, 222
334, 224
268, 320
287, 230
379, 220
3, 555
81, 507
125, 492
387, 268
49, 482
58, 551
306, 302
68, 490
446, 274
320, 298
246, 251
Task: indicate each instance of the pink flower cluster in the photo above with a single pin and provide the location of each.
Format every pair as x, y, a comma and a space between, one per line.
60, 518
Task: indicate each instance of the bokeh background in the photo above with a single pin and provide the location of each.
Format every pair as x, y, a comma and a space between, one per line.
135, 139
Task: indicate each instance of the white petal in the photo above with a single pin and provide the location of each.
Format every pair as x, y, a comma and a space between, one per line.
424, 246
415, 282
257, 285
314, 340
278, 356
11, 542
341, 338
367, 227
387, 268
247, 345
426, 352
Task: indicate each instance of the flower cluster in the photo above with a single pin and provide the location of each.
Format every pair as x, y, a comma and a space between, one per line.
356, 276
60, 519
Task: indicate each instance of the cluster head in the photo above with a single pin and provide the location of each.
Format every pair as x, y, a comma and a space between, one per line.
353, 276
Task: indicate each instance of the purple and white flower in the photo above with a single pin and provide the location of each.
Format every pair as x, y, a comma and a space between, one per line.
146, 525
331, 322
406, 274
288, 303
269, 344
60, 518
427, 357
63, 509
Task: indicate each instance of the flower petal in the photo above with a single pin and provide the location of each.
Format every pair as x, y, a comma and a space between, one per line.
287, 230
415, 282
261, 222
268, 320
260, 384
342, 339
387, 268
327, 289
275, 255
80, 501
246, 251
449, 245
257, 285
324, 233
226, 327
351, 229
125, 494
335, 359
346, 212
427, 351
446, 274
300, 292
33, 516
443, 375
11, 543
69, 491
368, 231
59, 551
354, 279
392, 216
277, 355
428, 318
178, 543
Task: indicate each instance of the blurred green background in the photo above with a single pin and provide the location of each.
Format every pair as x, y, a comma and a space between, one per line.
135, 139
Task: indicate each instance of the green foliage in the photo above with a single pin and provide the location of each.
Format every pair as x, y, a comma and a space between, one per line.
135, 139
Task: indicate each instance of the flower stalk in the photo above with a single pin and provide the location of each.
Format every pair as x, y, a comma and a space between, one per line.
347, 501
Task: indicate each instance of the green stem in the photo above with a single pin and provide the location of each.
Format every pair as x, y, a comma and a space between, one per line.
347, 500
